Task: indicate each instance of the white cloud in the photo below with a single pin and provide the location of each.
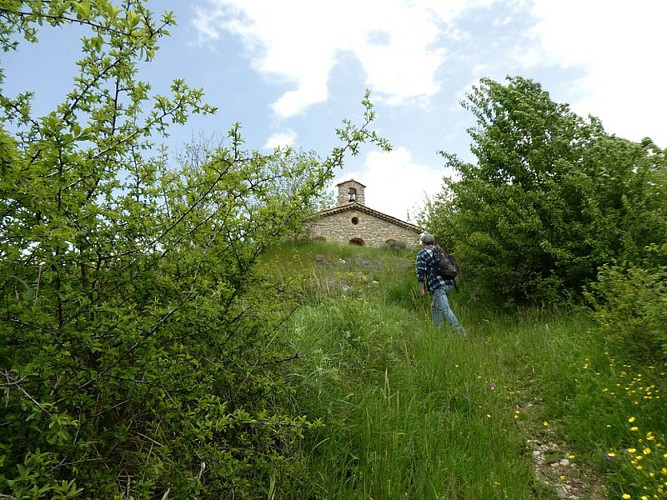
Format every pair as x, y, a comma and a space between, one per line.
205, 25
620, 47
297, 42
395, 184
285, 138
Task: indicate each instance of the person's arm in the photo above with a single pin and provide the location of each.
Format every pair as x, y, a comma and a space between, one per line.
421, 272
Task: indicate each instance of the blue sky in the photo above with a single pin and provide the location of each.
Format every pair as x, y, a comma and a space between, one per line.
290, 71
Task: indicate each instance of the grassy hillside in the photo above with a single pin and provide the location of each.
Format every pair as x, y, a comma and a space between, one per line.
530, 406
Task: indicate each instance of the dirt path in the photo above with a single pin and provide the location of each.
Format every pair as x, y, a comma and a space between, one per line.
557, 467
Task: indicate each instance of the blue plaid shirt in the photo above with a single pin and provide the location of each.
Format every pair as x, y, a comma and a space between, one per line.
425, 260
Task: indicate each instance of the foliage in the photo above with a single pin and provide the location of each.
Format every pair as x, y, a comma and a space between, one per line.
628, 444
630, 311
402, 409
551, 198
286, 171
138, 349
406, 410
610, 413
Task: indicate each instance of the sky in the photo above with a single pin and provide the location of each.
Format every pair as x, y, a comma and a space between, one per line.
290, 71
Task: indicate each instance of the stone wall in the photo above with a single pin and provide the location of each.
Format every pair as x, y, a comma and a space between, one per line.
356, 227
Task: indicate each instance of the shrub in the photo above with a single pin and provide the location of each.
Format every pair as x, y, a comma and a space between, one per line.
138, 350
631, 313
551, 198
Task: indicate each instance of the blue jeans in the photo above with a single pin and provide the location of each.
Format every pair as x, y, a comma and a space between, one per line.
440, 310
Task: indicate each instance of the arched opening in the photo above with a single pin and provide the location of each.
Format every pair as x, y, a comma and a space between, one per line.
352, 194
357, 241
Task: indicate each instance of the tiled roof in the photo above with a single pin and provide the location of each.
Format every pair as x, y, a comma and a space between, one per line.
363, 208
348, 181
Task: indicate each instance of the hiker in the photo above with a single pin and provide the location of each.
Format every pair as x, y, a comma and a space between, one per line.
437, 285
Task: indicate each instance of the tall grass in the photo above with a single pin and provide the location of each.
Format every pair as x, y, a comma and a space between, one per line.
408, 411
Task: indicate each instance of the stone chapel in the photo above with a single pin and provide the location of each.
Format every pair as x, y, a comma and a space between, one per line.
352, 222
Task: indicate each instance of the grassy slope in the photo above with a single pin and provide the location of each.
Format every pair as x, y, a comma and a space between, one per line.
411, 412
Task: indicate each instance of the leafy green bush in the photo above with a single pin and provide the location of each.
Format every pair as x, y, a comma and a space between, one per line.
631, 312
398, 247
138, 349
551, 198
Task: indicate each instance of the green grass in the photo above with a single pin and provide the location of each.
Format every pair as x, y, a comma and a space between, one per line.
411, 412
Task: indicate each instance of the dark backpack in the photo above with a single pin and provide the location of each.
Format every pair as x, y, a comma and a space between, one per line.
445, 265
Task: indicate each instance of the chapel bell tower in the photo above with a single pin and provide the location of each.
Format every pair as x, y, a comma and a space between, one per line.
351, 191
